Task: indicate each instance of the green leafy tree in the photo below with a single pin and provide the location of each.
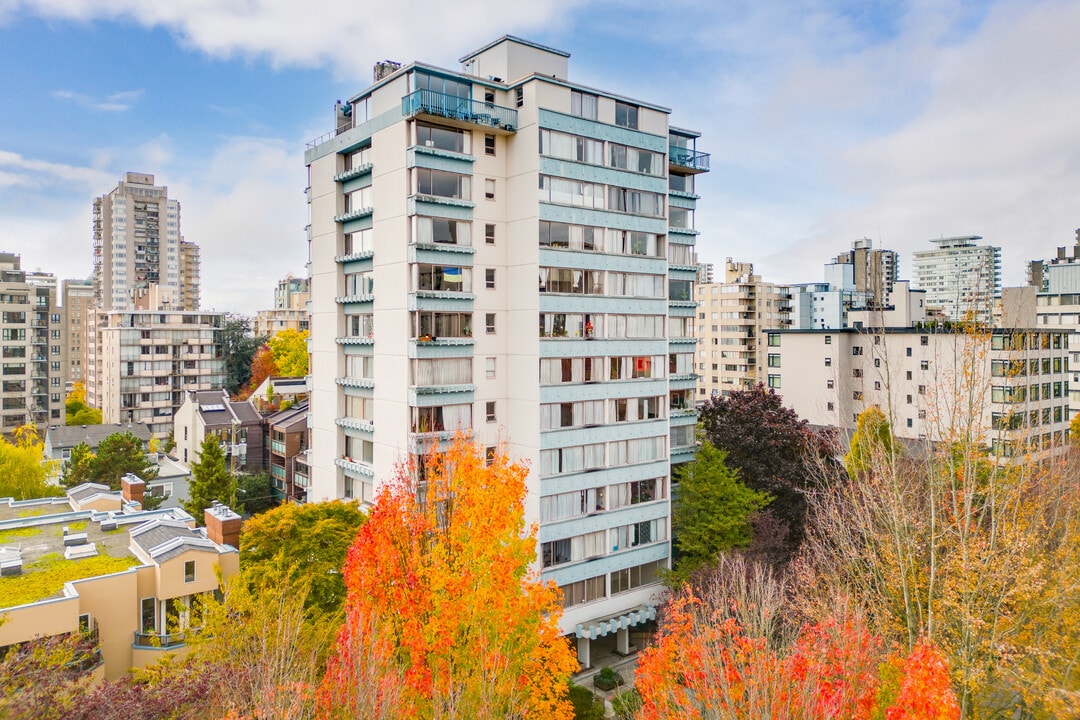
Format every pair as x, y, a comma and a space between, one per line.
290, 352
83, 416
79, 468
255, 493
712, 510
302, 544
239, 346
210, 480
117, 455
872, 442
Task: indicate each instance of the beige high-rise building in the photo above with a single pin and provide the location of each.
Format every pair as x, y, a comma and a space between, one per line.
77, 297
190, 264
138, 244
142, 362
960, 278
31, 345
732, 317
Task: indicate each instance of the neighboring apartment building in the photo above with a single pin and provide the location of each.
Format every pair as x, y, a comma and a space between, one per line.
138, 243
732, 318
1055, 284
31, 345
290, 308
867, 273
1018, 381
137, 604
452, 263
142, 363
960, 277
287, 453
77, 297
236, 424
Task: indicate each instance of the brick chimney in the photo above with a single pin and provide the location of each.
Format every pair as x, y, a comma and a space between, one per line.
133, 487
222, 525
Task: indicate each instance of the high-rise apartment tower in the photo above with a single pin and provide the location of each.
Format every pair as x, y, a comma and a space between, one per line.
503, 250
138, 244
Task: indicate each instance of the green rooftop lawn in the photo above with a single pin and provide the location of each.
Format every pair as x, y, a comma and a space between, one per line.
7, 536
46, 576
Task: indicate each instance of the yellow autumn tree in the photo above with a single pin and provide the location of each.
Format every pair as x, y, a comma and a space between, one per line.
973, 552
444, 617
290, 352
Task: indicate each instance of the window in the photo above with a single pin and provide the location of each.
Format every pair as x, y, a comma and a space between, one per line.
443, 138
583, 105
908, 374
489, 323
489, 233
442, 184
908, 352
489, 278
189, 571
923, 365
856, 372
626, 115
828, 362
856, 350
519, 96
909, 422
489, 144
924, 340
149, 615
829, 406
489, 368
774, 339
830, 384
774, 381
489, 189
828, 339
489, 411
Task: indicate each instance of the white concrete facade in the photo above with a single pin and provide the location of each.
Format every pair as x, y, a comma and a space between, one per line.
960, 277
427, 243
1012, 385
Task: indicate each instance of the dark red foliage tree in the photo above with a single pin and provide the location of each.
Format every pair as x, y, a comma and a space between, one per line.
773, 450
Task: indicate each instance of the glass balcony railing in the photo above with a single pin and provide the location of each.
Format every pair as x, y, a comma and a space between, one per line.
687, 158
429, 102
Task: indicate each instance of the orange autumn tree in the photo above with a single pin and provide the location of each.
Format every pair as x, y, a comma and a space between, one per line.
727, 657
262, 367
444, 618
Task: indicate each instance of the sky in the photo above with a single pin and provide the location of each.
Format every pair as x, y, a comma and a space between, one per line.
826, 121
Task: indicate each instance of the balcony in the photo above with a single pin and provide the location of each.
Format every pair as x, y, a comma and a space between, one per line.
462, 111
156, 641
686, 159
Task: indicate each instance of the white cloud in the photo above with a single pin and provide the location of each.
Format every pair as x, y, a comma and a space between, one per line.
30, 172
114, 102
245, 208
947, 124
342, 34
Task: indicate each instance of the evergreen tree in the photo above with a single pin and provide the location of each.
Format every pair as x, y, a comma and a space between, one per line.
118, 455
210, 480
79, 468
712, 511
